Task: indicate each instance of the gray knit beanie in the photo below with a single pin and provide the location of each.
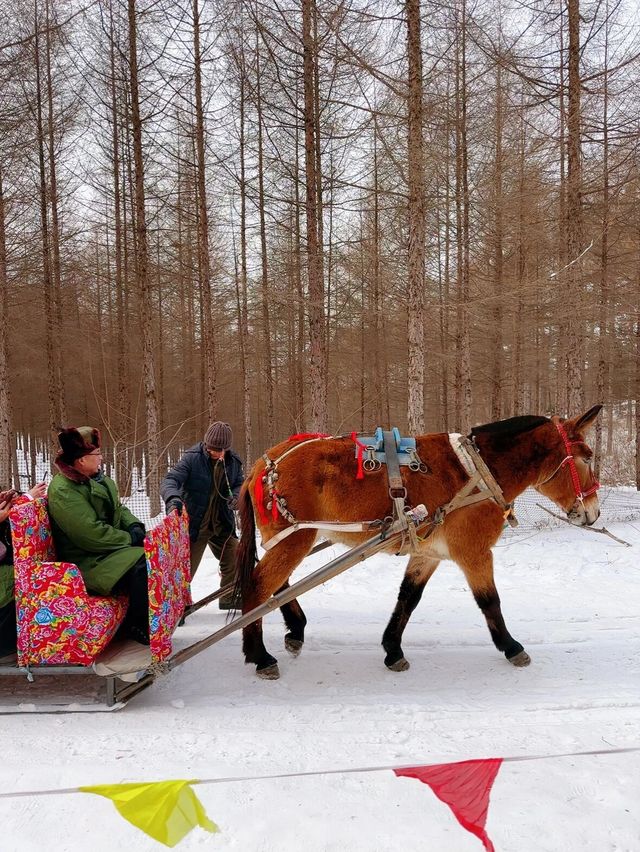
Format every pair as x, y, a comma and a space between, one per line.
218, 436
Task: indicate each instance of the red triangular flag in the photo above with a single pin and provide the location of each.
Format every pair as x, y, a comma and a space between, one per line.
465, 787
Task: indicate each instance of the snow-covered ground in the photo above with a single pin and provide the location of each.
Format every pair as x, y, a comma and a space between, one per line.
570, 596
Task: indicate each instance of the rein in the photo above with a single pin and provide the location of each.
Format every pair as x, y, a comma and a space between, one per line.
571, 462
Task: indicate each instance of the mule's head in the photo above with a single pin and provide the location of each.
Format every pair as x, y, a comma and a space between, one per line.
571, 483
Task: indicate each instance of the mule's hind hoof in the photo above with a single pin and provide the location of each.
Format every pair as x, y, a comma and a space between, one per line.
293, 646
400, 665
520, 660
271, 672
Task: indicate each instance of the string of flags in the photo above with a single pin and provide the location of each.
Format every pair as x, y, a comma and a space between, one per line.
168, 810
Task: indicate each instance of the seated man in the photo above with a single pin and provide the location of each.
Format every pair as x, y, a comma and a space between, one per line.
92, 528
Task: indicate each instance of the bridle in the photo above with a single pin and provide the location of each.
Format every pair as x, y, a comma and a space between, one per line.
573, 470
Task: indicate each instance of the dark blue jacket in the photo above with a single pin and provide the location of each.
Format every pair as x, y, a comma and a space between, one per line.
191, 481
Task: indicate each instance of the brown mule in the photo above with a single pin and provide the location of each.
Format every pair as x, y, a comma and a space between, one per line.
316, 480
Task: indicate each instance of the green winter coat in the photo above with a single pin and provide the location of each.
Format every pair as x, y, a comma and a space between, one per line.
6, 584
89, 526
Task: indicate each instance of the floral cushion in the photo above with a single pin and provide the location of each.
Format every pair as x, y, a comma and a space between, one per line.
167, 550
58, 621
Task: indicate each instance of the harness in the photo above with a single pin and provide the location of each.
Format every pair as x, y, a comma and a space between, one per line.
573, 470
387, 449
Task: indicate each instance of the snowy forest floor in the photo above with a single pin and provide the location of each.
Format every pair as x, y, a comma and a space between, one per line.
571, 598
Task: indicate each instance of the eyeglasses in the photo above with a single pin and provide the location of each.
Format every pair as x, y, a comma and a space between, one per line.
95, 453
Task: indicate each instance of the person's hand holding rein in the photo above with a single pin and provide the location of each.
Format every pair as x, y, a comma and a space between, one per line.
38, 490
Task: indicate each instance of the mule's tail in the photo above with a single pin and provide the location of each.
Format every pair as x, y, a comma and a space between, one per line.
247, 553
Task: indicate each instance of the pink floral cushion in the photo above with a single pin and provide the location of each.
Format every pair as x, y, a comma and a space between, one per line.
58, 621
167, 550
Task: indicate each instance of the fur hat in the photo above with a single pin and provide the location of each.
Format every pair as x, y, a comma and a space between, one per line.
218, 436
76, 442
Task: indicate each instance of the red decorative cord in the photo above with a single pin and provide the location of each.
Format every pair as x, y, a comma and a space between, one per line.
361, 448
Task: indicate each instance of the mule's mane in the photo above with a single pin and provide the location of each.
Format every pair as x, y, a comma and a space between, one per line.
511, 426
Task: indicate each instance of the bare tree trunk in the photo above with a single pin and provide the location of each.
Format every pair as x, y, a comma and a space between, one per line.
519, 329
204, 258
142, 275
6, 412
603, 302
415, 330
120, 431
264, 278
300, 300
243, 313
637, 392
49, 302
363, 335
634, 394
317, 339
575, 357
463, 346
498, 332
560, 342
379, 342
444, 282
55, 228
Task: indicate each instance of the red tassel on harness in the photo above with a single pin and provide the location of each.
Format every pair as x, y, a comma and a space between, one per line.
258, 496
361, 448
306, 436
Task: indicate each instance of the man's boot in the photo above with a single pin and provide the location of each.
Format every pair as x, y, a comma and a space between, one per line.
228, 575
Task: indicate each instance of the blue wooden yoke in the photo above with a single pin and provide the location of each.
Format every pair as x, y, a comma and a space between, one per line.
405, 447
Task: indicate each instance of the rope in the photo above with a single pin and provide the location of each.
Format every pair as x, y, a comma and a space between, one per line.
343, 771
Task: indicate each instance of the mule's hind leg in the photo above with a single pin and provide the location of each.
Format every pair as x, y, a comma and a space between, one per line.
296, 621
419, 570
479, 575
269, 576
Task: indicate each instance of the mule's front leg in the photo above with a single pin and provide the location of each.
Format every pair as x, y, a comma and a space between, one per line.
255, 651
480, 578
419, 570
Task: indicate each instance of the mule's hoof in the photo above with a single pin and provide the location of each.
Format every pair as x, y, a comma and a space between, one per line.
400, 665
520, 660
271, 672
293, 646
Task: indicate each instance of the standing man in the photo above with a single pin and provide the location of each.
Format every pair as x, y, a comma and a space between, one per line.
92, 528
207, 481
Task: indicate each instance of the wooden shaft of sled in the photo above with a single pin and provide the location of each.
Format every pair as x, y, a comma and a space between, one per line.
331, 569
194, 607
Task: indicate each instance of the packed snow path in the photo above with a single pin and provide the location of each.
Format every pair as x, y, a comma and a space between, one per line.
571, 598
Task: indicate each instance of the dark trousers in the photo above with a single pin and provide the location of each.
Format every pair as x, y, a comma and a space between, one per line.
223, 548
8, 629
134, 584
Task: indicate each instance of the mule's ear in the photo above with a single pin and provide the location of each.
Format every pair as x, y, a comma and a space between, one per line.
585, 421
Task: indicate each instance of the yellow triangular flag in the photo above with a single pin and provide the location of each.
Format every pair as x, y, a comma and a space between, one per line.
165, 810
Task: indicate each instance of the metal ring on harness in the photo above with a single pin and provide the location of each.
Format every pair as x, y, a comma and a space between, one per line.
371, 464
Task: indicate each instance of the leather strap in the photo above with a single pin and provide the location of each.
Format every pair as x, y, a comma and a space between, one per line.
397, 491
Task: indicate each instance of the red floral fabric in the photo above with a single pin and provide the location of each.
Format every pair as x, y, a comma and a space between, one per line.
167, 550
58, 621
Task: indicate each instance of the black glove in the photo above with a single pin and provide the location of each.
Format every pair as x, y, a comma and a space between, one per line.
137, 533
174, 503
